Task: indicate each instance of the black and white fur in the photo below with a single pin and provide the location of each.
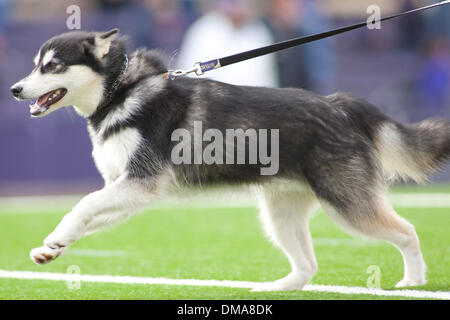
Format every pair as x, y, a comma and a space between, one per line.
335, 151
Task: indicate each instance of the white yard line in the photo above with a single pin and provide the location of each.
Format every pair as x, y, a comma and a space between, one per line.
30, 275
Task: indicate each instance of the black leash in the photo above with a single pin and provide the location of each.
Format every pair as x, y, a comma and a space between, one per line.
202, 67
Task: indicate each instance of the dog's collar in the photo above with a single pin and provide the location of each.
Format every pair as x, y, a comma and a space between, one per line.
116, 82
122, 72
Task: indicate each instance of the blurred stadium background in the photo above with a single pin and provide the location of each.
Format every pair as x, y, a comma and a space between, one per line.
404, 68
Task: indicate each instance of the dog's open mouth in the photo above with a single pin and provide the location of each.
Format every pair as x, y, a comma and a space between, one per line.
45, 101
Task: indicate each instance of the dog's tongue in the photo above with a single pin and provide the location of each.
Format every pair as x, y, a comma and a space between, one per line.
36, 107
43, 99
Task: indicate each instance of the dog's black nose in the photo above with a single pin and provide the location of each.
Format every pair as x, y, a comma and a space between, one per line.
16, 90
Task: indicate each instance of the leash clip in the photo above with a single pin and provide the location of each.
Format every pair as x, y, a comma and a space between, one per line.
180, 73
198, 69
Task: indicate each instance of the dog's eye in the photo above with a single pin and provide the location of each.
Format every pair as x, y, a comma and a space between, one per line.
51, 66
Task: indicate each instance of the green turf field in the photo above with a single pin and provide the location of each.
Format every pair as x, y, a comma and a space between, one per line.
194, 242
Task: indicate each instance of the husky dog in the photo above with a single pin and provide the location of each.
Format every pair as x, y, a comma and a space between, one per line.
337, 151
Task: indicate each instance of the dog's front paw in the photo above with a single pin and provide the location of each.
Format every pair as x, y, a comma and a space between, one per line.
288, 283
45, 254
410, 283
57, 240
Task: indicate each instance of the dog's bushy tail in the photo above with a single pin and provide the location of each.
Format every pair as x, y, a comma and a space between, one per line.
414, 151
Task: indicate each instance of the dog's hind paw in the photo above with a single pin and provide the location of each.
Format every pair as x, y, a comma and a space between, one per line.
45, 254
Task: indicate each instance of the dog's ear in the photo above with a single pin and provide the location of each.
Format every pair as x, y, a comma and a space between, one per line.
101, 43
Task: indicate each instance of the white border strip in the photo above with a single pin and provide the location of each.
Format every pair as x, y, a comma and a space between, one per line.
31, 275
420, 200
33, 204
